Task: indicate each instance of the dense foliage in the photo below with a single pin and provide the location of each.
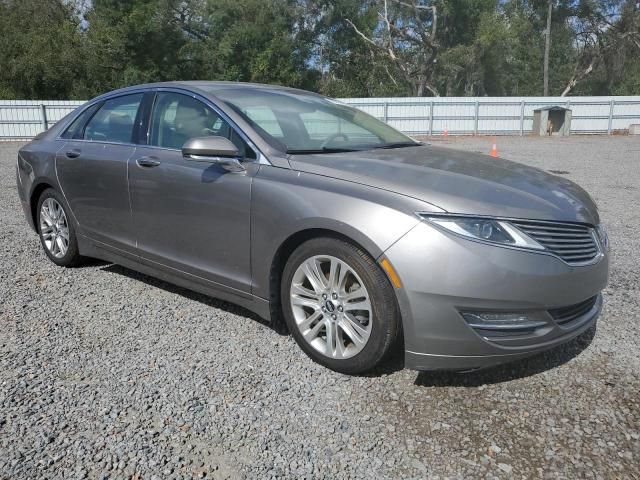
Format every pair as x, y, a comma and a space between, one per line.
78, 48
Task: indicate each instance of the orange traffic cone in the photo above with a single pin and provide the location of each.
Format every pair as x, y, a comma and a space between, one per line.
494, 150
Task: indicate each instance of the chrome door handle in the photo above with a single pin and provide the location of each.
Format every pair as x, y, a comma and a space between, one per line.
75, 153
148, 162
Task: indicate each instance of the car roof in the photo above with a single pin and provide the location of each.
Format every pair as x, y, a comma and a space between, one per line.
210, 87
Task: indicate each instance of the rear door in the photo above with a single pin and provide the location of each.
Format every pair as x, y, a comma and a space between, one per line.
92, 170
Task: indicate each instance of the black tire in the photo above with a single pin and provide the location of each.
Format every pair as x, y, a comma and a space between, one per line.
386, 324
72, 257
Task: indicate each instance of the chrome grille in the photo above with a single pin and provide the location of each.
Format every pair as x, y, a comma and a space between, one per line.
566, 315
573, 243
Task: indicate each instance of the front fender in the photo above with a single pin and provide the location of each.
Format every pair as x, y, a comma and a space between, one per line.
286, 202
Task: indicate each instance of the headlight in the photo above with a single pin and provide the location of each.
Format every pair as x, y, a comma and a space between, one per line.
485, 229
603, 236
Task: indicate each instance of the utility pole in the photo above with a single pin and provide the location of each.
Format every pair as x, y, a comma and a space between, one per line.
547, 47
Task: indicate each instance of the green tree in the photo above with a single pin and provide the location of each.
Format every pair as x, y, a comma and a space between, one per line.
607, 52
253, 41
136, 41
79, 48
349, 68
41, 51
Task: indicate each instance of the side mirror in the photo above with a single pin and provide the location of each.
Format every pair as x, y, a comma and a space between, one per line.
217, 150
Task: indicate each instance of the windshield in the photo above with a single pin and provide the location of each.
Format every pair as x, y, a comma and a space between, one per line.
307, 123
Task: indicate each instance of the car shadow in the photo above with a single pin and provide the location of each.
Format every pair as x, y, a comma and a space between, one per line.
195, 296
212, 173
394, 363
526, 367
88, 262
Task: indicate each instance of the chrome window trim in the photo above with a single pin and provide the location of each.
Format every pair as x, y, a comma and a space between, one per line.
100, 142
261, 157
592, 232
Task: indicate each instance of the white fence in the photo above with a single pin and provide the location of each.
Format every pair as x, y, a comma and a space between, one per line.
22, 120
497, 115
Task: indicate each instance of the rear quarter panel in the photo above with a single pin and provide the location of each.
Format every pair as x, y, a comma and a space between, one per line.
36, 168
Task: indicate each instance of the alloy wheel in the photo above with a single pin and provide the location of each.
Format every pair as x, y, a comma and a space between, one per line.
54, 228
331, 306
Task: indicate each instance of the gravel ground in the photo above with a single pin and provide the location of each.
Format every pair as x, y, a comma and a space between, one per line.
105, 373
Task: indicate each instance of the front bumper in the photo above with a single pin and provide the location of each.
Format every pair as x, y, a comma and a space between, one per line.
442, 275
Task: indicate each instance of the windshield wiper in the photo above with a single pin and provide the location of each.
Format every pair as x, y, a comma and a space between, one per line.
398, 145
362, 148
323, 150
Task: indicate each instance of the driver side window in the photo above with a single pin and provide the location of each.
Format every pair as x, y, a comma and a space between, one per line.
177, 118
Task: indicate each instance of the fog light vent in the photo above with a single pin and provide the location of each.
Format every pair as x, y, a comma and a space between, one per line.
566, 315
502, 324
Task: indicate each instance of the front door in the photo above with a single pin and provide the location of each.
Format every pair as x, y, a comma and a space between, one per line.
92, 169
190, 216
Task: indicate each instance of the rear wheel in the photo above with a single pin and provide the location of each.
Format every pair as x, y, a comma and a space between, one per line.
339, 305
57, 234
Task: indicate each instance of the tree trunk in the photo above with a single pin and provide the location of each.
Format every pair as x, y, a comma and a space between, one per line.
576, 78
547, 47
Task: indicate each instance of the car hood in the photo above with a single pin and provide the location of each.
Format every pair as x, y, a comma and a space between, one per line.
459, 182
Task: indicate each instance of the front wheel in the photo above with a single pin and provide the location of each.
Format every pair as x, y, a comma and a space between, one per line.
339, 305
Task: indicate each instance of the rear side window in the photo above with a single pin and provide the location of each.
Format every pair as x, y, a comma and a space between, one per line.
75, 130
115, 120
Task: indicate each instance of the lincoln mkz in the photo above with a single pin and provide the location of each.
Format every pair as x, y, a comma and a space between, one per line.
301, 208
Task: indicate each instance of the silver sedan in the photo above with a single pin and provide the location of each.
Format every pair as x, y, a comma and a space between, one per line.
305, 210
